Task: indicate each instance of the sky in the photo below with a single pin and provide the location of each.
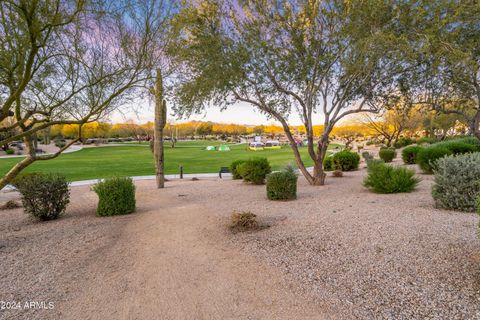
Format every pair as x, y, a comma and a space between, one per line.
240, 113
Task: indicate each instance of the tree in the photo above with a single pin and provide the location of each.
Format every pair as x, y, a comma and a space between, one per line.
204, 129
160, 122
70, 62
309, 57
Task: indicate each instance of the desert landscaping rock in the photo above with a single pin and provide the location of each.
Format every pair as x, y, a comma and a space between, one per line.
338, 252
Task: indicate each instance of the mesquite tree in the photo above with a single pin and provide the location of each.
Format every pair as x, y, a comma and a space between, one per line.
71, 62
323, 60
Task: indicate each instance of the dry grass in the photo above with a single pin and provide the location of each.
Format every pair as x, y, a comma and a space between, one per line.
243, 221
337, 173
10, 204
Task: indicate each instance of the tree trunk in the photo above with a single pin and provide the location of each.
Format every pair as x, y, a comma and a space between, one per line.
319, 174
28, 160
160, 120
476, 125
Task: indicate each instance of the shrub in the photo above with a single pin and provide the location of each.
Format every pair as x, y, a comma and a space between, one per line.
373, 162
282, 185
254, 170
387, 154
10, 204
337, 173
328, 163
44, 196
383, 178
403, 142
346, 161
115, 196
234, 169
426, 140
456, 183
9, 151
243, 221
409, 154
427, 157
367, 155
60, 143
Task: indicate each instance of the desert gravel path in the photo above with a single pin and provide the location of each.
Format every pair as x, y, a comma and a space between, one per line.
171, 263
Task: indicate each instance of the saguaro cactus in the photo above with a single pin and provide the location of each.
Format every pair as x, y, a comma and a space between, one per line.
160, 121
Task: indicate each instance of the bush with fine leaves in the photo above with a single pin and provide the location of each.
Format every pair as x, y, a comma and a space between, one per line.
44, 196
282, 185
427, 157
409, 154
255, 170
457, 182
116, 196
387, 154
234, 169
346, 161
384, 178
328, 163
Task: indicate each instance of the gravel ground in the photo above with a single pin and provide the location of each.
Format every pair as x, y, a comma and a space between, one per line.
338, 251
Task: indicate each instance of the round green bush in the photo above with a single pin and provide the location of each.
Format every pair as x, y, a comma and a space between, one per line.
116, 196
403, 142
282, 185
387, 154
328, 163
383, 178
254, 170
234, 169
44, 196
427, 157
409, 154
456, 183
346, 161
9, 151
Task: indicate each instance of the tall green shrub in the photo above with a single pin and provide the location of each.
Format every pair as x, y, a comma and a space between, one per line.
44, 196
456, 183
383, 178
282, 185
409, 154
234, 169
116, 196
254, 170
427, 157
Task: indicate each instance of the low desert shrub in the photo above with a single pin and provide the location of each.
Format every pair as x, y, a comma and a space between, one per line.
409, 154
9, 151
387, 154
383, 178
243, 221
328, 163
403, 142
367, 155
337, 173
60, 143
346, 161
373, 162
456, 182
426, 140
44, 196
427, 157
10, 204
254, 170
234, 169
282, 185
116, 196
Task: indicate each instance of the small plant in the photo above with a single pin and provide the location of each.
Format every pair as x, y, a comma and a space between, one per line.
282, 185
243, 221
44, 196
367, 155
328, 163
10, 204
427, 157
9, 151
409, 154
373, 162
387, 154
426, 140
403, 142
337, 173
383, 178
116, 196
234, 169
254, 170
456, 182
346, 161
60, 143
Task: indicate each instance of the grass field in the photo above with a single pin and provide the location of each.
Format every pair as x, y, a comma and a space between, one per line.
137, 160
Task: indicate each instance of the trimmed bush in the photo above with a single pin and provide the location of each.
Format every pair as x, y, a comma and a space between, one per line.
383, 178
44, 196
234, 169
116, 196
282, 185
254, 170
328, 163
387, 154
409, 154
346, 161
427, 157
456, 183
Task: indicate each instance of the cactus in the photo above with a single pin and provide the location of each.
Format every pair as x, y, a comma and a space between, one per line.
160, 122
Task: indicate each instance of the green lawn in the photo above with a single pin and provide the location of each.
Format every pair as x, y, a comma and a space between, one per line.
103, 162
